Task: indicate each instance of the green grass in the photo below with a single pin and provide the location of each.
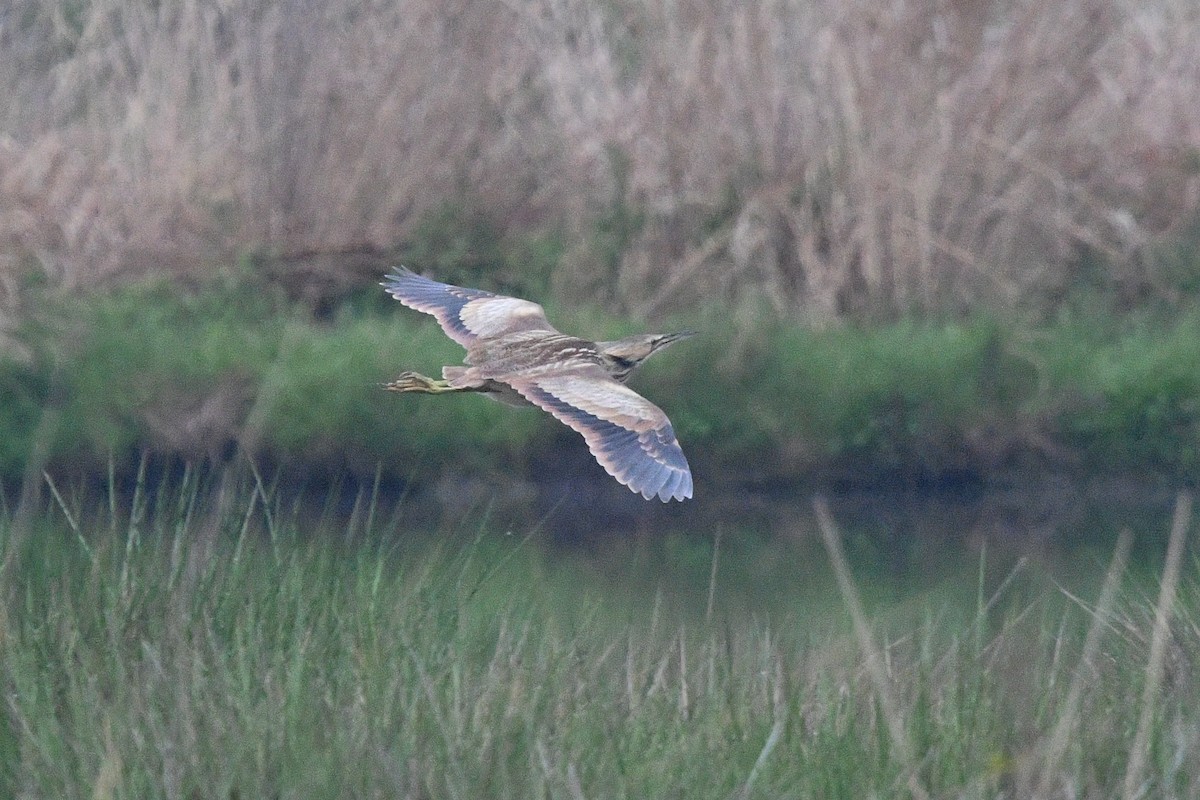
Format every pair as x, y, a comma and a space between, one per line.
189, 647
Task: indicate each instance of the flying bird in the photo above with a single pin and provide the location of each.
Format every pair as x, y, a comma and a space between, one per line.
516, 356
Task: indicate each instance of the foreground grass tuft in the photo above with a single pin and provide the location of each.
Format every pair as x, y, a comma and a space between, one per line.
208, 644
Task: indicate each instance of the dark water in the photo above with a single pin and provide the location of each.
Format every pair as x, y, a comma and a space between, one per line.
758, 549
1045, 513
902, 541
896, 526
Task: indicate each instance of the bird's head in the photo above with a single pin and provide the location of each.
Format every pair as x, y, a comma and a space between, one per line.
625, 355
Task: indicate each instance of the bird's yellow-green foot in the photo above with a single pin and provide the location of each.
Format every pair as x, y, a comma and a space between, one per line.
416, 382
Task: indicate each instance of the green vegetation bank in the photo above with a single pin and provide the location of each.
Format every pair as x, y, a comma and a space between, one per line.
200, 372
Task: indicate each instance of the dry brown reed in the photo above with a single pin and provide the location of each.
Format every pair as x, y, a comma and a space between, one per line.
893, 157
832, 157
178, 136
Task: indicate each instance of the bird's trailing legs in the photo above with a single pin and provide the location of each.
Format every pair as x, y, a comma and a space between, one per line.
416, 382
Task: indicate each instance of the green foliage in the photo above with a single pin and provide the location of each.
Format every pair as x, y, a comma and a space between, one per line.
621, 219
883, 393
25, 400
193, 371
324, 399
892, 396
1145, 392
151, 367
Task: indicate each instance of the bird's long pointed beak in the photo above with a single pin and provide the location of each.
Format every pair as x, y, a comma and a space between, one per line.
671, 338
667, 339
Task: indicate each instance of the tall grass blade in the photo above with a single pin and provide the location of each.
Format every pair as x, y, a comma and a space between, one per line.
871, 653
712, 578
1060, 738
83, 544
1140, 752
369, 525
773, 737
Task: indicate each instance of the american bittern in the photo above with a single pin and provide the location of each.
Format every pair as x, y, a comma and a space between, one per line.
516, 356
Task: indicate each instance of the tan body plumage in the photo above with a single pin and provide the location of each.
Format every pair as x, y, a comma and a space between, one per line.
516, 356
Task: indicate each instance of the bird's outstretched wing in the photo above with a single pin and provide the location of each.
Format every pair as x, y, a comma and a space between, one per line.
466, 315
630, 436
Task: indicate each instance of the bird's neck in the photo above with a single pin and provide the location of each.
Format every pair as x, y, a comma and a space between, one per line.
619, 368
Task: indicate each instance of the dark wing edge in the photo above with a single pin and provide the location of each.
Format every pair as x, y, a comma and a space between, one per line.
466, 315
649, 462
441, 300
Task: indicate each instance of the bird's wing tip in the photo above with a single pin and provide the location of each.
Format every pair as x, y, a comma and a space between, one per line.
677, 488
664, 482
642, 454
395, 273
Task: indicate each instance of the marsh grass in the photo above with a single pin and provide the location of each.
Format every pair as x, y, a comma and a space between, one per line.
210, 638
837, 159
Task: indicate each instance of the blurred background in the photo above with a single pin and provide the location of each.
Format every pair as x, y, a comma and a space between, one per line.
943, 255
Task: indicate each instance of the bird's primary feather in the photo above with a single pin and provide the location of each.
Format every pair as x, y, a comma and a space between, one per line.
466, 315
